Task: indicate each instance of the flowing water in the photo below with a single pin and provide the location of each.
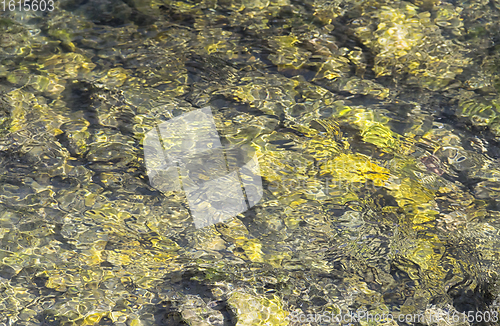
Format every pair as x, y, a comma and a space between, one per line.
375, 125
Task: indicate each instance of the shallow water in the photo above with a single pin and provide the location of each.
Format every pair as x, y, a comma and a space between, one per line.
376, 129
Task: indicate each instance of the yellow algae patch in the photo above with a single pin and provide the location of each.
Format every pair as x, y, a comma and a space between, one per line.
260, 90
277, 165
423, 217
17, 98
481, 112
416, 201
427, 253
333, 67
108, 214
276, 258
114, 77
64, 279
122, 257
135, 322
355, 168
408, 41
216, 47
93, 319
25, 106
236, 232
356, 85
410, 192
93, 256
383, 137
322, 148
380, 136
234, 229
252, 248
18, 119
68, 65
254, 310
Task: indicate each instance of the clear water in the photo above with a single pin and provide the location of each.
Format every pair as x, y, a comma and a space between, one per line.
376, 129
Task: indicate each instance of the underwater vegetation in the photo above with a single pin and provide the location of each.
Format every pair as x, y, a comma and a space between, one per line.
377, 129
